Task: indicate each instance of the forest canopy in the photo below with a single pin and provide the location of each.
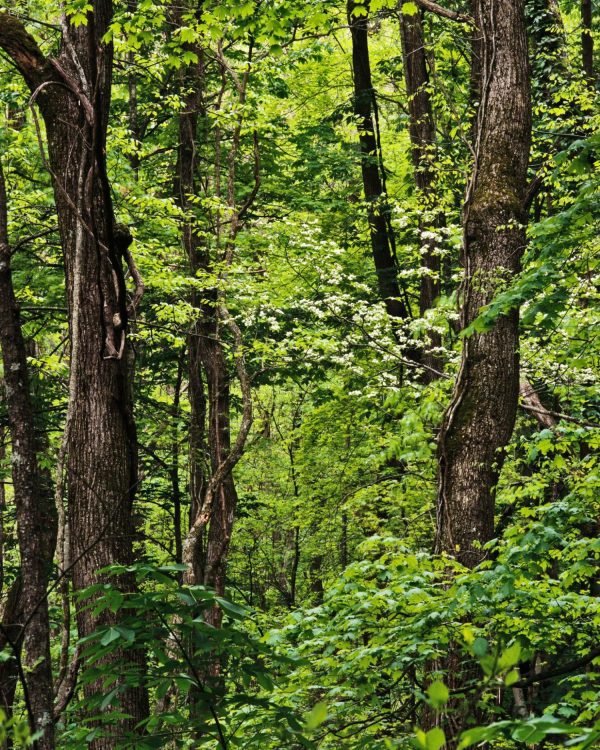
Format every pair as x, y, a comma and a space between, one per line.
299, 354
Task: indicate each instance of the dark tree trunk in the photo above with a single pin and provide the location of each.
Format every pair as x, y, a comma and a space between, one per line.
3, 439
198, 449
423, 141
480, 419
73, 94
316, 579
365, 111
587, 41
11, 640
219, 437
175, 488
34, 501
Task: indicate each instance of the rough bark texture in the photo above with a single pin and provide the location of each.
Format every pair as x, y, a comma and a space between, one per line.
382, 239
423, 141
73, 94
481, 415
34, 501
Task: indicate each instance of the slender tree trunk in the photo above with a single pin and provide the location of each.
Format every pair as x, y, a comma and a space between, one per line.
480, 419
132, 85
365, 111
185, 191
219, 436
211, 542
175, 488
198, 449
2, 503
423, 141
587, 41
34, 501
73, 94
11, 639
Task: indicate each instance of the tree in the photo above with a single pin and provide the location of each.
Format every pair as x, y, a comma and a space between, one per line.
214, 496
72, 92
480, 418
423, 140
373, 175
26, 621
587, 41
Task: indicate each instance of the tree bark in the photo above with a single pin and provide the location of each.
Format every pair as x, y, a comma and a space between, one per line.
11, 639
174, 471
423, 141
73, 94
34, 501
480, 419
378, 212
587, 41
207, 351
215, 501
185, 190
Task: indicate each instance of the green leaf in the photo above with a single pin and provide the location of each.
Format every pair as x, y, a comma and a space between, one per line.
235, 610
316, 716
475, 735
438, 694
108, 699
510, 657
512, 677
112, 634
410, 9
435, 739
126, 633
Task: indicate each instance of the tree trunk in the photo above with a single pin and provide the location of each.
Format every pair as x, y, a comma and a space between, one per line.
11, 639
34, 501
365, 111
185, 190
480, 419
175, 488
73, 94
210, 449
219, 437
587, 41
423, 140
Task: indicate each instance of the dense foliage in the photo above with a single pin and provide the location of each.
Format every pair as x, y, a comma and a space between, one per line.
338, 625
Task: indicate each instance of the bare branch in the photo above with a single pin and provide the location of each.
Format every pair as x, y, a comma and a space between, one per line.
530, 401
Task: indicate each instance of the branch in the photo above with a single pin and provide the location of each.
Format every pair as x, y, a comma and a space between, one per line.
234, 455
530, 401
533, 189
439, 10
66, 690
255, 188
567, 668
547, 419
24, 52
